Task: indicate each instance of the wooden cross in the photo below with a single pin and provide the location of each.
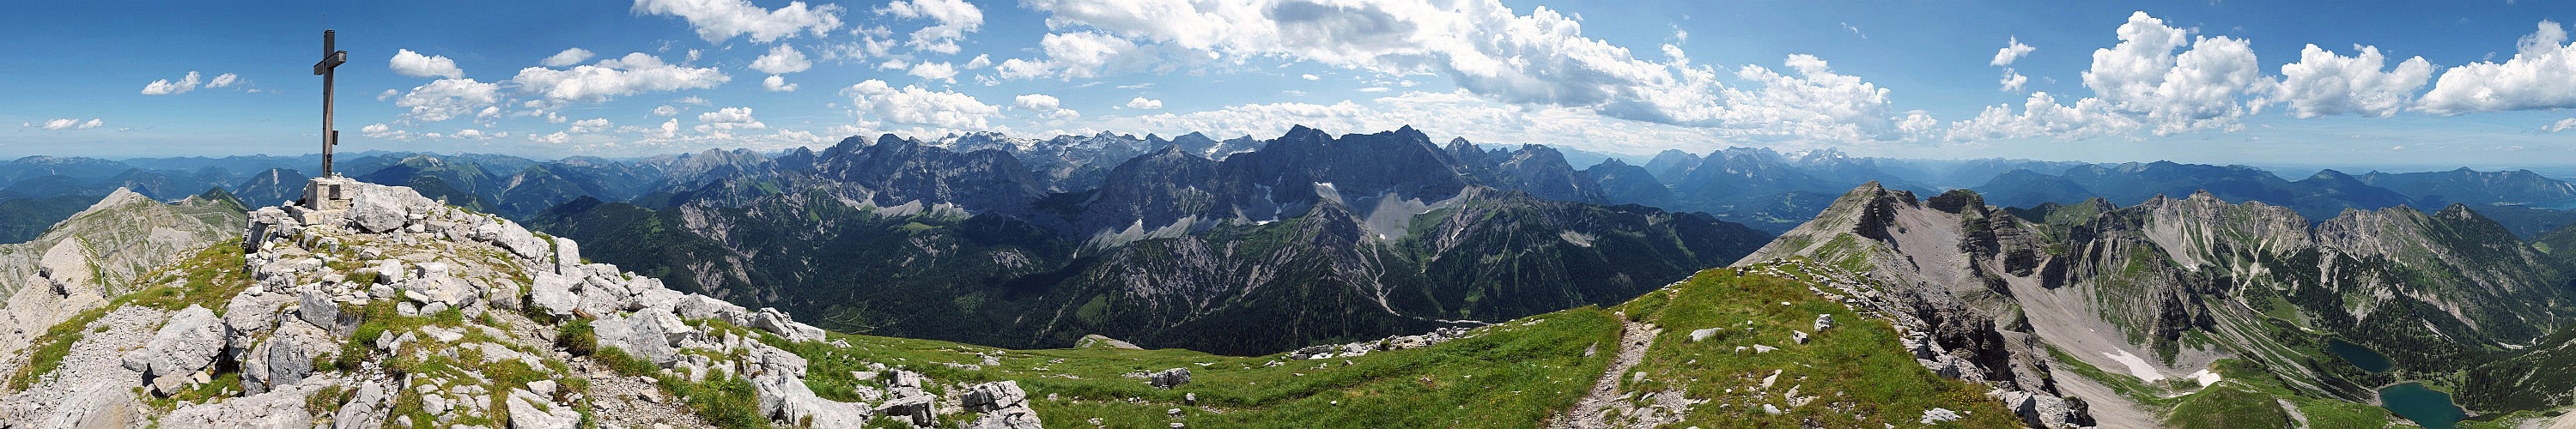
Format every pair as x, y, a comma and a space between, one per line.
331, 60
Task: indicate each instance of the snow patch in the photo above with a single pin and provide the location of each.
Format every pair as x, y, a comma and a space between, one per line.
2205, 377
2137, 366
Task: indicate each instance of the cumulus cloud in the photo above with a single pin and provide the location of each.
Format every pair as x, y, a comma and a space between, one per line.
2324, 83
955, 18
1144, 103
775, 83
169, 87
2561, 125
666, 110
913, 105
446, 99
1540, 58
2200, 88
1044, 105
1080, 55
587, 126
934, 71
718, 20
2042, 116
980, 61
566, 58
781, 59
223, 80
414, 64
1308, 76
65, 124
2013, 50
2541, 75
635, 73
727, 119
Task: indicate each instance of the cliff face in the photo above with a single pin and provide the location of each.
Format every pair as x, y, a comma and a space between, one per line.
2170, 286
96, 254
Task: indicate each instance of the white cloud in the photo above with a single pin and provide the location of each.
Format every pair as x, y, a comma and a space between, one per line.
375, 128
223, 80
632, 74
1540, 58
702, 101
557, 138
1044, 105
2013, 82
65, 124
980, 61
717, 20
389, 93
913, 105
670, 128
566, 58
1309, 77
1080, 55
2013, 50
781, 59
1375, 89
2541, 75
2202, 87
1144, 103
934, 71
2043, 116
587, 126
775, 83
167, 87
666, 110
727, 119
955, 17
445, 99
2561, 125
2323, 83
414, 64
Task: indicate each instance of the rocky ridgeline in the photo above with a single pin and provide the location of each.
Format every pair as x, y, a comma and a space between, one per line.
1950, 342
405, 312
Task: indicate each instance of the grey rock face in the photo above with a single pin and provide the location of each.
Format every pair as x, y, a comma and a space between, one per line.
380, 209
552, 293
1170, 378
98, 404
185, 345
770, 319
529, 410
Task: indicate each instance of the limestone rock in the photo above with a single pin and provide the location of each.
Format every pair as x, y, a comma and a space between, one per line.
553, 294
529, 410
1170, 378
567, 256
96, 404
380, 209
1698, 335
184, 345
770, 319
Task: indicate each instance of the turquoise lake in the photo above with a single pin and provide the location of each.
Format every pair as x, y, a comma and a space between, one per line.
2425, 406
2364, 357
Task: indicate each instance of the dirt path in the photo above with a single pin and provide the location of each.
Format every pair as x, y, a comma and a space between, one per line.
1592, 410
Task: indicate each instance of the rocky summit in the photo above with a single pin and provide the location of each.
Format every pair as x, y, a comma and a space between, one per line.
400, 311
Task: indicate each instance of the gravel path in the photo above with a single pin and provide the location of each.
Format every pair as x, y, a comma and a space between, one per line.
1591, 411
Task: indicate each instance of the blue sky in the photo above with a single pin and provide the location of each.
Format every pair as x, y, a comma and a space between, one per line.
2219, 82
